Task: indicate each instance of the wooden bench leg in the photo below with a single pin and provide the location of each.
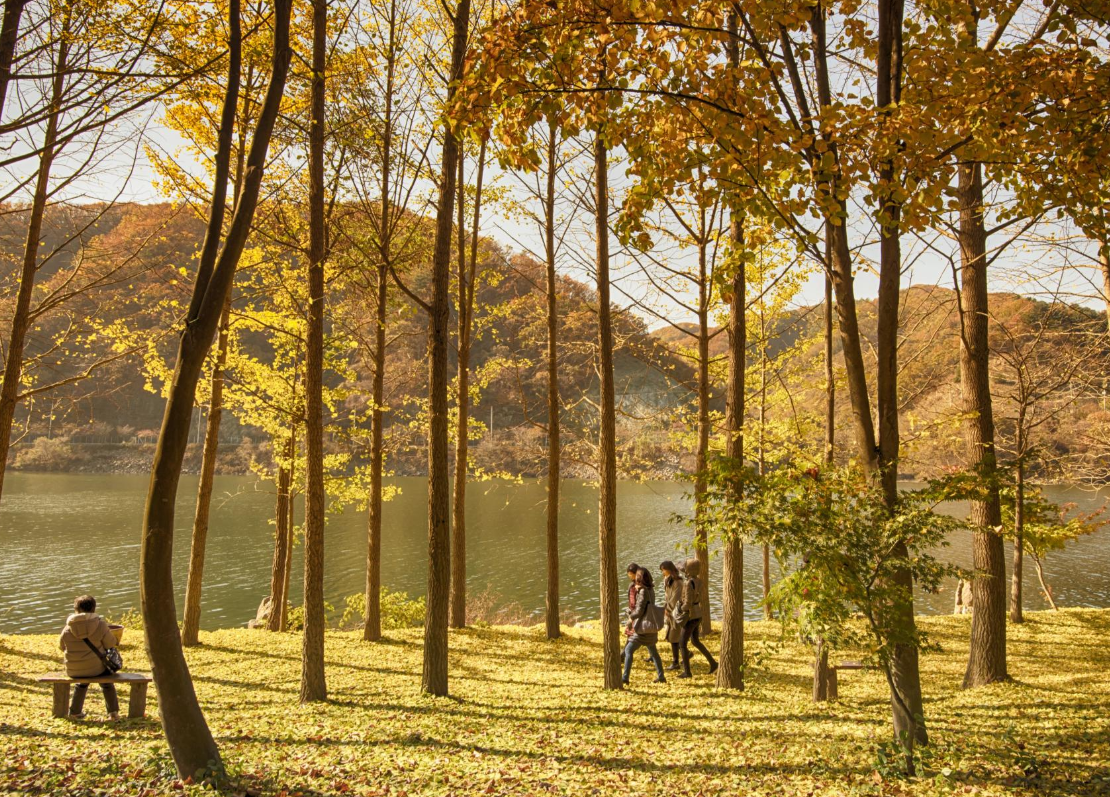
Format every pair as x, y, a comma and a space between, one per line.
61, 700
136, 702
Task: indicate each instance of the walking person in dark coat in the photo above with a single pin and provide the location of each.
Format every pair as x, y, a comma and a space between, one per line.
638, 636
689, 615
672, 590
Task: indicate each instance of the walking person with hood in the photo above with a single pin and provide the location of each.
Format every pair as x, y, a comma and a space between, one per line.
688, 616
643, 626
84, 642
672, 591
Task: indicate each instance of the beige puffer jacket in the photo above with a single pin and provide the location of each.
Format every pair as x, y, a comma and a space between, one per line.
80, 661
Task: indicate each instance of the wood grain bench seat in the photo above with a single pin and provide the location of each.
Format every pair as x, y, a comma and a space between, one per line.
137, 681
834, 686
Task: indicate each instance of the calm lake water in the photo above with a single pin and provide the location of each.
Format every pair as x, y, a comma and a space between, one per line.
66, 534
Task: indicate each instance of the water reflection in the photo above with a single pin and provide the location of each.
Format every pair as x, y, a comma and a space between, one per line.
65, 534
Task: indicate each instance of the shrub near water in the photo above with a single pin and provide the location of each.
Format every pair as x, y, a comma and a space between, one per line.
528, 717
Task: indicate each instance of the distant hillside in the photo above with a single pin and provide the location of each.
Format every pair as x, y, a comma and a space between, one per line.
108, 422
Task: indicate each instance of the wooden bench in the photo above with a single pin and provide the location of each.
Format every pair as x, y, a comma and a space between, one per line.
834, 692
136, 703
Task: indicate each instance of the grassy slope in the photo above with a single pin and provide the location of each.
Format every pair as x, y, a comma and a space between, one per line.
527, 717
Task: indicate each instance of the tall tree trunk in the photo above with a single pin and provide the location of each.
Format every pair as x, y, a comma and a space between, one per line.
9, 35
1016, 614
701, 539
987, 656
905, 675
607, 444
768, 614
434, 678
191, 743
372, 621
830, 380
1104, 262
553, 431
313, 682
21, 313
457, 613
190, 628
283, 542
730, 674
466, 286
291, 530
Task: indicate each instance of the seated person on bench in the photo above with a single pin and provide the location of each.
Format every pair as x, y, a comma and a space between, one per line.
81, 660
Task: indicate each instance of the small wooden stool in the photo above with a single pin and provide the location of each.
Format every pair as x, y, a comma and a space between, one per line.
136, 701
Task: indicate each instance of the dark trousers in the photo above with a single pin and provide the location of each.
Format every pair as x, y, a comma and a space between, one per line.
690, 633
653, 652
111, 700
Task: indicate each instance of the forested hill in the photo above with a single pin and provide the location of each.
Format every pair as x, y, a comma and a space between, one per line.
108, 420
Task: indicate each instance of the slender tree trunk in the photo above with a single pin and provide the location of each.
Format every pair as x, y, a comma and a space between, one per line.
466, 286
1016, 615
372, 622
768, 614
21, 313
190, 628
291, 530
987, 657
730, 673
462, 417
1104, 262
434, 678
190, 741
283, 542
905, 675
701, 539
1047, 590
553, 431
9, 35
607, 444
313, 682
830, 380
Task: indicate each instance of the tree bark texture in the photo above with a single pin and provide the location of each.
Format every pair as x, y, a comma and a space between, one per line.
607, 444
730, 672
434, 678
190, 741
551, 603
21, 313
987, 656
313, 681
190, 627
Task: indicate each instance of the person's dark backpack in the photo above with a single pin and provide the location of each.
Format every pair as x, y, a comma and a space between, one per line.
110, 658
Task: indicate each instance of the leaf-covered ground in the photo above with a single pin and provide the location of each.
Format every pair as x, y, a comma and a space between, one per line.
527, 716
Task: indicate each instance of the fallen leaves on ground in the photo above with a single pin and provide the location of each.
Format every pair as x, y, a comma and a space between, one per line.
528, 717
